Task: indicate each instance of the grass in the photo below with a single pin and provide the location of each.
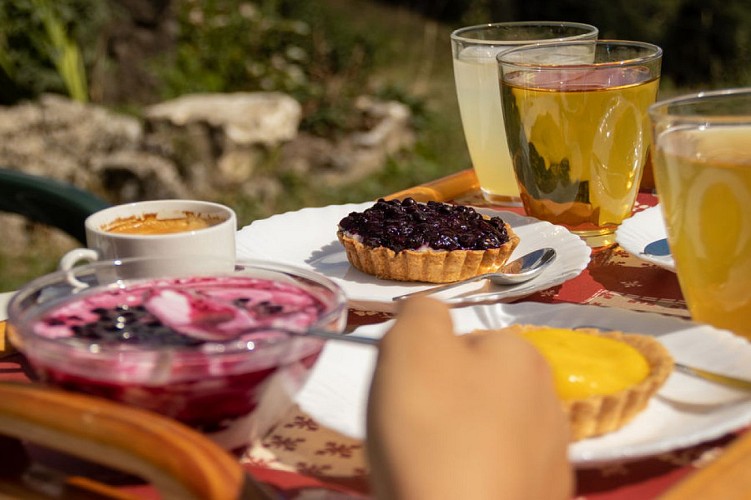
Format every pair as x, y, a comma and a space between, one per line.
416, 57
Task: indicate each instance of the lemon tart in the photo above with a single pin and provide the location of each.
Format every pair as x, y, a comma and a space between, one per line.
604, 379
433, 242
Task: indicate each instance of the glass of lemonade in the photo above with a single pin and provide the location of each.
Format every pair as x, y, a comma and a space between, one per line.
476, 74
578, 129
702, 165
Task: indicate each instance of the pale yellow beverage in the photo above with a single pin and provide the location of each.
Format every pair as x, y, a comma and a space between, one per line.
703, 177
579, 141
479, 98
474, 51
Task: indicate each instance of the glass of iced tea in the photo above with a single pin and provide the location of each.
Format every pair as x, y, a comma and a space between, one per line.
474, 51
702, 165
578, 130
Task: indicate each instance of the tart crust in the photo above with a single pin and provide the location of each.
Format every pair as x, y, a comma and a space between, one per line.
432, 266
601, 414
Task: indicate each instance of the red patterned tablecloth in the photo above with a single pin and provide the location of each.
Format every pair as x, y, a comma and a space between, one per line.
300, 456
302, 459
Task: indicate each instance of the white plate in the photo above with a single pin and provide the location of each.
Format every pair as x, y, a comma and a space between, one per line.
641, 229
686, 411
4, 299
307, 238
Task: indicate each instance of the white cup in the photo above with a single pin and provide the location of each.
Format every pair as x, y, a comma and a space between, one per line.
204, 250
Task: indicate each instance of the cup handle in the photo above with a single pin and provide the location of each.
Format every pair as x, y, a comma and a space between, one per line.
73, 257
70, 259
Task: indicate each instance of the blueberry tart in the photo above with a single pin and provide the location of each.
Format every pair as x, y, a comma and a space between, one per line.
431, 242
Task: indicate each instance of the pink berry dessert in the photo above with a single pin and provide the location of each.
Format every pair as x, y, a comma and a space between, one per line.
202, 350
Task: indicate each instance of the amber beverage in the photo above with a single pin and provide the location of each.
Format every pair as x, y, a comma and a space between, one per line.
578, 130
702, 166
151, 223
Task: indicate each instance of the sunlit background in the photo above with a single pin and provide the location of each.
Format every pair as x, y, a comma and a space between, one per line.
125, 55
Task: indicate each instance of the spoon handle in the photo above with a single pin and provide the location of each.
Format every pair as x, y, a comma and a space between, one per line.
441, 288
718, 378
342, 337
314, 332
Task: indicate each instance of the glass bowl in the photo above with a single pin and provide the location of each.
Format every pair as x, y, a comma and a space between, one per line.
207, 350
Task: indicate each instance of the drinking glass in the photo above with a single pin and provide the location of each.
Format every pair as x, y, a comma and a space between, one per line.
476, 75
578, 129
702, 166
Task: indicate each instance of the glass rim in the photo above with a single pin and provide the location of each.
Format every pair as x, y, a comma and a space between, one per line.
661, 109
458, 34
537, 66
19, 315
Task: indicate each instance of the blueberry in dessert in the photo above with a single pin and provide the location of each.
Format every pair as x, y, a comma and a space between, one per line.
201, 350
432, 242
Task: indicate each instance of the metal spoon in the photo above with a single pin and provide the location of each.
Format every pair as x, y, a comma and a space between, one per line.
523, 269
308, 332
717, 378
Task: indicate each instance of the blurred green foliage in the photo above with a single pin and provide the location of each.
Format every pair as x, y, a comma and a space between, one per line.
46, 45
314, 53
63, 51
269, 45
327, 52
323, 58
707, 43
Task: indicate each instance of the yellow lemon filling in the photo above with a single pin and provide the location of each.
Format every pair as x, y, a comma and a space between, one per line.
585, 365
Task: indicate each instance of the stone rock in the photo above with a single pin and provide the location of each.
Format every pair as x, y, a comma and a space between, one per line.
128, 176
199, 145
196, 146
58, 137
392, 129
244, 118
219, 140
308, 153
386, 129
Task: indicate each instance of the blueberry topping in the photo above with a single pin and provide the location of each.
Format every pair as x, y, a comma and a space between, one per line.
183, 312
129, 325
407, 224
266, 308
